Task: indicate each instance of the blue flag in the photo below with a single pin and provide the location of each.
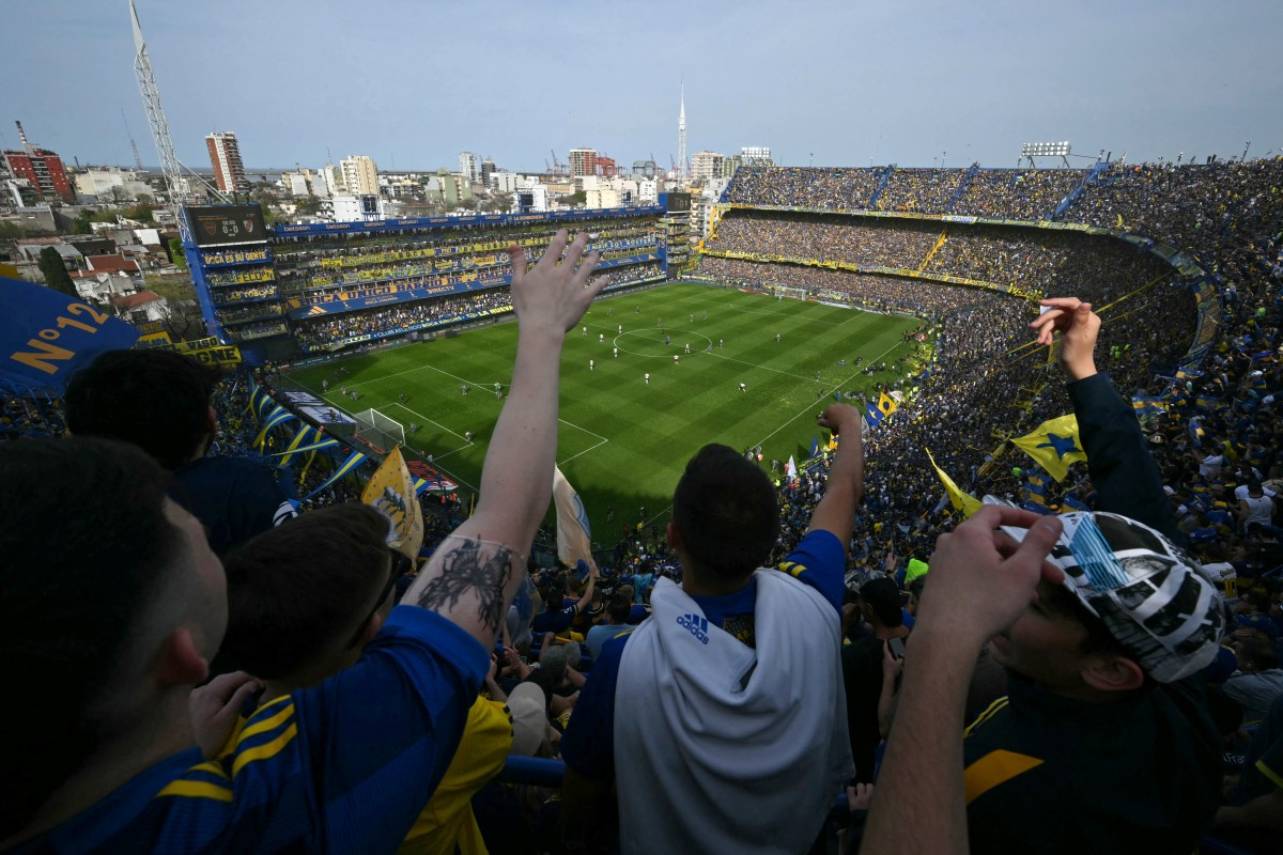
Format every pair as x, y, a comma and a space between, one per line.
47, 336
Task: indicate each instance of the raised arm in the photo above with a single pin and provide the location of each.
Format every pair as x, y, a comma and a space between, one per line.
979, 585
845, 488
1126, 479
475, 573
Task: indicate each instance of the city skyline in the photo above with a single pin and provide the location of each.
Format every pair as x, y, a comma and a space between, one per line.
1197, 87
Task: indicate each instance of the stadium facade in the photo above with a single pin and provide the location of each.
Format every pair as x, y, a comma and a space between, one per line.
296, 290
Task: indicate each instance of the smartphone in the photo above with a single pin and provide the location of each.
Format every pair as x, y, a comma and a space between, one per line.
897, 647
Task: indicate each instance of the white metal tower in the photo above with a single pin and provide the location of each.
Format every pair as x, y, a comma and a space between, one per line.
174, 181
682, 174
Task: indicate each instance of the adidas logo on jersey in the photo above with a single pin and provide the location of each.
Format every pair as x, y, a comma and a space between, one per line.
697, 625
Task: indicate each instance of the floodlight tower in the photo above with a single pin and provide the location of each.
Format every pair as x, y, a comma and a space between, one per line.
681, 139
169, 164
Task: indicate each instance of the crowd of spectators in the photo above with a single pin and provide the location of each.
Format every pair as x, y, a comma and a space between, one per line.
920, 190
329, 329
1016, 194
877, 243
840, 189
871, 291
335, 329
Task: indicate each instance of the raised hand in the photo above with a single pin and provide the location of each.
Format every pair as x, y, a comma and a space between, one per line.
980, 581
837, 416
1079, 325
551, 296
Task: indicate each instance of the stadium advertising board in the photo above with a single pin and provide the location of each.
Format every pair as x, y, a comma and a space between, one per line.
226, 224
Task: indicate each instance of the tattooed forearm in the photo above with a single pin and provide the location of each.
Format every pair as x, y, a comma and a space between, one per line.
471, 569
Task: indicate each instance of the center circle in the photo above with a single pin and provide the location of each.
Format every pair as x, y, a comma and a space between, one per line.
649, 343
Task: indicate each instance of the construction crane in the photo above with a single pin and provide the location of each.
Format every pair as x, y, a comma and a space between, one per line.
138, 158
556, 164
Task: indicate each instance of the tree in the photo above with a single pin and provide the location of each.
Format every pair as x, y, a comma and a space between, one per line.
579, 197
176, 253
55, 272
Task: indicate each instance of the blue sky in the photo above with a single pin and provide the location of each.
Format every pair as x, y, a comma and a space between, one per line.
842, 83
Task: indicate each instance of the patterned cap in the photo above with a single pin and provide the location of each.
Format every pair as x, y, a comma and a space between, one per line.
1154, 599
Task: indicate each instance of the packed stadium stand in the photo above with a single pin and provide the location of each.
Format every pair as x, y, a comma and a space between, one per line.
1182, 265
294, 289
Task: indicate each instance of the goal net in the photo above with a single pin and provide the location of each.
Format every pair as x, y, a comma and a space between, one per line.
378, 430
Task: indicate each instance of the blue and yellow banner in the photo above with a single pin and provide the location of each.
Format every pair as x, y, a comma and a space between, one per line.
354, 460
46, 336
1054, 445
299, 438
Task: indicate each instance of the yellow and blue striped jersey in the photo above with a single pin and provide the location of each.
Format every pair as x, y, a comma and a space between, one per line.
345, 766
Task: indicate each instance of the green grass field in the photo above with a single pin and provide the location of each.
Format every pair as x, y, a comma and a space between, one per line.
623, 443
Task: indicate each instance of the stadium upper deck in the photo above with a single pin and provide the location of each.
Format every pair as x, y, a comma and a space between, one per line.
276, 290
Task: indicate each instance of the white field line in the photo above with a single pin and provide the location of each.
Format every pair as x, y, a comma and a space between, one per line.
811, 406
433, 421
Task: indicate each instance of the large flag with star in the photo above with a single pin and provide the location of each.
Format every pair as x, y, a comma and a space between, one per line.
1054, 445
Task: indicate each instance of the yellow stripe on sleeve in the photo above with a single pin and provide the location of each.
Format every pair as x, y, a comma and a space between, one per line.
996, 767
211, 766
197, 790
266, 751
990, 712
264, 725
1274, 777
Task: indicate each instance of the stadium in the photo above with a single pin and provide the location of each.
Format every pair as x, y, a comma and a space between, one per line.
943, 267
907, 293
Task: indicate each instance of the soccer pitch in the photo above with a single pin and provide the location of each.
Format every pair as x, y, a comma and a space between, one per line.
623, 442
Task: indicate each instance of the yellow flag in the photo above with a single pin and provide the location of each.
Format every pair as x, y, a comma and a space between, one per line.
574, 534
886, 404
391, 491
961, 501
1053, 445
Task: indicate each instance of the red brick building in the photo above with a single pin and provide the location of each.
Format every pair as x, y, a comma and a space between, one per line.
44, 169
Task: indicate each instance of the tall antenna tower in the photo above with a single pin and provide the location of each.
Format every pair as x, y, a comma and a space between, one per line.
681, 138
22, 138
138, 158
169, 165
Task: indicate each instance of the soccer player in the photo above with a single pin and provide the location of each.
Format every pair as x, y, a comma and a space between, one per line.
621, 329
646, 377
674, 359
108, 761
721, 343
688, 347
743, 388
601, 338
777, 338
614, 351
592, 365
